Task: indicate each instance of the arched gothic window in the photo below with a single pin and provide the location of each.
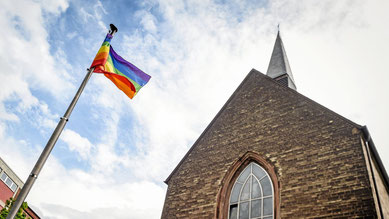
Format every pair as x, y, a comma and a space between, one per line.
252, 195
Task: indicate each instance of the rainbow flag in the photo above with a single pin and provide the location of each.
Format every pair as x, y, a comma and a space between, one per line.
126, 76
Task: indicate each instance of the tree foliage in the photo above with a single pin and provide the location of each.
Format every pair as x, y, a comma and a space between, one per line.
8, 205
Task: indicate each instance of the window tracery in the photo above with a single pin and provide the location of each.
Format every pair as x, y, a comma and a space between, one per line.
252, 195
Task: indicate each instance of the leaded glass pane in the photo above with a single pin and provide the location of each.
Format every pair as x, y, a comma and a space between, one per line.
258, 172
235, 192
13, 187
246, 199
256, 208
244, 210
3, 176
270, 217
234, 212
8, 182
268, 206
245, 195
243, 176
255, 190
266, 186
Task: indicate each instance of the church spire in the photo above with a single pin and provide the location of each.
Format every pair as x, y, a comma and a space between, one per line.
279, 68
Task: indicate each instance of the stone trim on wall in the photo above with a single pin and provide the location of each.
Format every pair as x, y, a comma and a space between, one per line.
378, 188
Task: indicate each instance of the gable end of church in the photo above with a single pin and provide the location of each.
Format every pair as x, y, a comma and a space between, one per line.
316, 155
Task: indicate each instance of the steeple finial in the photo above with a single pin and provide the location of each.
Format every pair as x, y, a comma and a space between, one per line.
279, 68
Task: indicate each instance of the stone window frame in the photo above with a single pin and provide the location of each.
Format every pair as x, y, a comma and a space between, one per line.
223, 198
247, 179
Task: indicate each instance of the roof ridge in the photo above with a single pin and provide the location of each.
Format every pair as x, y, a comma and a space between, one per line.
310, 100
266, 77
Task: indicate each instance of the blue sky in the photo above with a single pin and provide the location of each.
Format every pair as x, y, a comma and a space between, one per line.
197, 53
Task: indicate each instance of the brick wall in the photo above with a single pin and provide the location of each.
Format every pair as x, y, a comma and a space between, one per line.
316, 154
5, 194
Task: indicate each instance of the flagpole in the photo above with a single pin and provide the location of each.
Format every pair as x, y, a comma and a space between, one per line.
47, 150
50, 144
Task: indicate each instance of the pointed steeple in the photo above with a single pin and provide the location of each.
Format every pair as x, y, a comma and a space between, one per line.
279, 68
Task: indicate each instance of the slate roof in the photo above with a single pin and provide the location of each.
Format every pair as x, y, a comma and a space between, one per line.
279, 64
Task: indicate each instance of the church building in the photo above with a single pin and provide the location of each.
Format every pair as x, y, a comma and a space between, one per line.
271, 152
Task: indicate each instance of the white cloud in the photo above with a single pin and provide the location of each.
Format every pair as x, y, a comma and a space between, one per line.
14, 151
73, 193
55, 7
94, 15
30, 58
77, 143
26, 61
99, 7
79, 194
147, 20
13, 87
137, 200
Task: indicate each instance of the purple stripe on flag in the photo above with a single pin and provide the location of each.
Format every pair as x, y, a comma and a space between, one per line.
139, 73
